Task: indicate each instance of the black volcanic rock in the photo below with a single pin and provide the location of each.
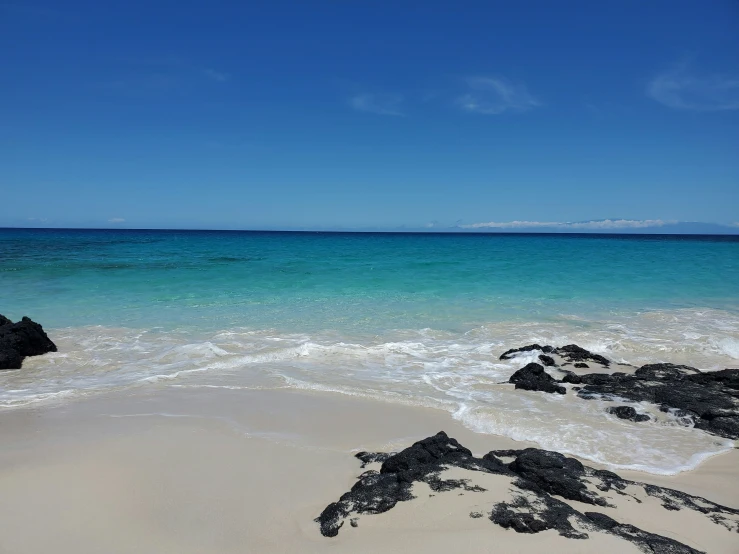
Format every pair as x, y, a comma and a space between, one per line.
533, 377
547, 361
653, 542
571, 353
376, 493
508, 354
526, 515
18, 340
371, 457
709, 399
540, 479
554, 473
574, 353
627, 412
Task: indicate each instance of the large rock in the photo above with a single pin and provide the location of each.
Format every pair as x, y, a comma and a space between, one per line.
18, 340
540, 481
710, 399
533, 377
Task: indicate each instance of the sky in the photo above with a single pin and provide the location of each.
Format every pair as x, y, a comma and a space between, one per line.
330, 114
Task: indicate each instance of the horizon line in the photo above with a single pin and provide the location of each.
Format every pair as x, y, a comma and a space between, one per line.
411, 231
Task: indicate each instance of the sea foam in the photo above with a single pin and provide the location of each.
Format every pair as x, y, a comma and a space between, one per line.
457, 372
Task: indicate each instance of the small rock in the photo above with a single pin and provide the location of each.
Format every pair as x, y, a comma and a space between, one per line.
627, 412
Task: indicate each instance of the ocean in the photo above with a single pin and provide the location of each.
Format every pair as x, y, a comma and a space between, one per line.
414, 319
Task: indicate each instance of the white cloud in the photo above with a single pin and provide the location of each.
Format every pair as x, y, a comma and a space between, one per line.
496, 95
600, 224
383, 104
682, 89
116, 220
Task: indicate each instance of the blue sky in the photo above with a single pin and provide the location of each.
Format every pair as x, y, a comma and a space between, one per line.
367, 114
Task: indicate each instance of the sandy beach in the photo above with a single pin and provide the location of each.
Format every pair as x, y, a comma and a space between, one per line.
198, 470
369, 278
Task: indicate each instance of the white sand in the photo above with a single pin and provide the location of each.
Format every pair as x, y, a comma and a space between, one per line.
235, 471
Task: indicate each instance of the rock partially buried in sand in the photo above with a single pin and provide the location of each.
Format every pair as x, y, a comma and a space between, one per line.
533, 377
22, 339
536, 485
627, 412
376, 493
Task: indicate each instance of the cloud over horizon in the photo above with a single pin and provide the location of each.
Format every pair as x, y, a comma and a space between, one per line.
681, 88
496, 95
599, 224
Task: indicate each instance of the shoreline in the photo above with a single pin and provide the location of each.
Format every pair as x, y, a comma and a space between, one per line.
460, 374
253, 469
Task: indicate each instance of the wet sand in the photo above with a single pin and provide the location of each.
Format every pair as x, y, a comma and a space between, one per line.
203, 470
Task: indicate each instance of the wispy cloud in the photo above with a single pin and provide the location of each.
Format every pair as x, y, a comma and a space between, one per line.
116, 220
382, 104
682, 88
599, 224
161, 74
496, 95
216, 75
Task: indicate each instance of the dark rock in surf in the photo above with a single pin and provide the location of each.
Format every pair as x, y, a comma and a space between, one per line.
627, 412
508, 354
571, 353
547, 361
533, 377
22, 339
709, 399
574, 353
581, 365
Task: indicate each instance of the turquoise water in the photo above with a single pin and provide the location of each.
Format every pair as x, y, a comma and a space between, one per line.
415, 319
308, 281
